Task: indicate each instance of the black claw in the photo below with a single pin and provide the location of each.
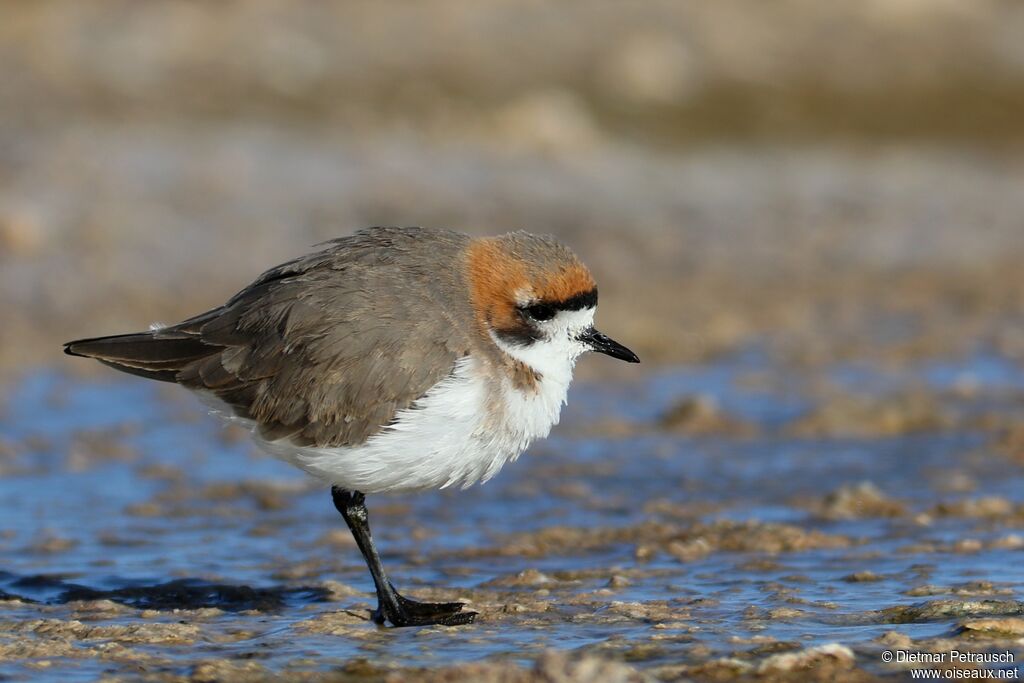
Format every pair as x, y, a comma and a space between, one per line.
428, 608
415, 607
458, 619
415, 613
437, 618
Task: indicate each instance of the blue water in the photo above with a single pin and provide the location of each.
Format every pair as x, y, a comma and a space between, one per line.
122, 484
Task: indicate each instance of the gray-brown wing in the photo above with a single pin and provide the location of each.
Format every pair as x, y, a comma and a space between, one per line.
324, 349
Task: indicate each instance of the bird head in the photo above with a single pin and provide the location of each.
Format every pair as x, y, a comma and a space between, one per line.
536, 300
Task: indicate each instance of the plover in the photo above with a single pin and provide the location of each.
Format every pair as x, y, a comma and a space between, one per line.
394, 359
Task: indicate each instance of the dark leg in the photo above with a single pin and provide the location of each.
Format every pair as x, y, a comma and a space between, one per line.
391, 606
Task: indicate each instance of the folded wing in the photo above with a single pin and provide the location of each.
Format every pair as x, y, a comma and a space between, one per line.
323, 350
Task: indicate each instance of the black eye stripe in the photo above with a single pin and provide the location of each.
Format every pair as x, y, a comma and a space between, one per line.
578, 302
546, 310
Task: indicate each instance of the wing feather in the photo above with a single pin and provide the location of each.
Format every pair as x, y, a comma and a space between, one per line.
324, 349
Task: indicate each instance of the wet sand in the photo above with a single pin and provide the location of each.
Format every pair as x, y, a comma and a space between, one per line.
757, 536
805, 217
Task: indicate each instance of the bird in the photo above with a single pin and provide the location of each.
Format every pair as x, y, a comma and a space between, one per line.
394, 359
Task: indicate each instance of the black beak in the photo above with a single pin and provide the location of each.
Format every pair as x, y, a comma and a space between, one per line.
604, 344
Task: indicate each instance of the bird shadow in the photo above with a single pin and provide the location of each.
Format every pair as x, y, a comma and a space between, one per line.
185, 594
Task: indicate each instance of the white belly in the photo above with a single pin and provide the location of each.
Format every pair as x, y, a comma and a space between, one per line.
461, 432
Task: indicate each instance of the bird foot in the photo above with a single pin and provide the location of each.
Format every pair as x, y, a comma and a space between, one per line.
413, 613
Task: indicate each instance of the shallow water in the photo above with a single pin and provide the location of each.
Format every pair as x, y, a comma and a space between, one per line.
618, 535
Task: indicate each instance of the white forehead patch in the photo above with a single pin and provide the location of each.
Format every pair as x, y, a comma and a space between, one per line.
524, 296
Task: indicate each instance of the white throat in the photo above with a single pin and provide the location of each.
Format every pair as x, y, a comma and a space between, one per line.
553, 356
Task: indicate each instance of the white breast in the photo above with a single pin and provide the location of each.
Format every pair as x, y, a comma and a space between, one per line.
462, 431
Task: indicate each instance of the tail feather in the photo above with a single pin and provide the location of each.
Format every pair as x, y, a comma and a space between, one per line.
159, 355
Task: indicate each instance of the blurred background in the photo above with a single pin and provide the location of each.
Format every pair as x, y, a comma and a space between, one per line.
831, 179
806, 217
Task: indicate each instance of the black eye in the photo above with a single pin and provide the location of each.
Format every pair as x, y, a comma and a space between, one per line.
540, 312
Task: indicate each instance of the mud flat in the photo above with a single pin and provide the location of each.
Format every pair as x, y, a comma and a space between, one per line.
776, 533
811, 236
